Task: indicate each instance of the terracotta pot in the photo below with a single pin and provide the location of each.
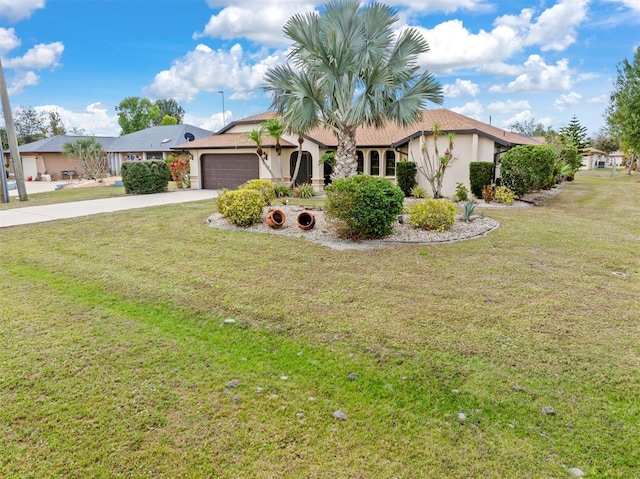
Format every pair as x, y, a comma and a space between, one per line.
275, 218
306, 220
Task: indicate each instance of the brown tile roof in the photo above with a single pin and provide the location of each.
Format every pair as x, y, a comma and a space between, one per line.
229, 140
368, 136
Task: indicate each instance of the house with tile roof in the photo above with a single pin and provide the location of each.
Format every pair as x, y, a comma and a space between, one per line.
46, 156
227, 159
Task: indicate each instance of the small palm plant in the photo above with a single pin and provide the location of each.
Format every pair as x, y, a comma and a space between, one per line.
257, 136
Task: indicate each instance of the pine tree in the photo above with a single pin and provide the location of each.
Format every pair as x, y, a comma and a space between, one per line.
575, 135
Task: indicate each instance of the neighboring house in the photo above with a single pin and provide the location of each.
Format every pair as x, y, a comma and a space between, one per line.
228, 159
46, 157
153, 143
594, 159
616, 158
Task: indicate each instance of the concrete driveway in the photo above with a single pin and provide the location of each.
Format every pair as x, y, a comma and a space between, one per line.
38, 214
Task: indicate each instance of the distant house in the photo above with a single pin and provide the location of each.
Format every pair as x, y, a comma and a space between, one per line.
227, 159
594, 158
46, 156
154, 143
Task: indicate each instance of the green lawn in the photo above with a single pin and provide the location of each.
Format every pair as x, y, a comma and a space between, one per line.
122, 335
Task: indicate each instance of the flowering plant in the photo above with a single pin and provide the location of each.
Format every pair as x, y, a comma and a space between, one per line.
179, 168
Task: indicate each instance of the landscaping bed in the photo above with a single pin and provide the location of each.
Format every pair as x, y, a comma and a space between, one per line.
322, 232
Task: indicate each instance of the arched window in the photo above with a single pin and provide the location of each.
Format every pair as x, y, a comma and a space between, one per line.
374, 163
390, 163
360, 156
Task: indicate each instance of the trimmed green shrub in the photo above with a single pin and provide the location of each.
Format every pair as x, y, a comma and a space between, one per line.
461, 194
505, 196
527, 168
480, 175
406, 172
439, 215
264, 187
242, 207
363, 207
145, 177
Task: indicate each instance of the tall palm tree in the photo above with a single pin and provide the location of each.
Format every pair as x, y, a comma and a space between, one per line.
350, 69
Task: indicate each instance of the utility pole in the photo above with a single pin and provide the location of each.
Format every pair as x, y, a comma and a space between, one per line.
224, 120
11, 136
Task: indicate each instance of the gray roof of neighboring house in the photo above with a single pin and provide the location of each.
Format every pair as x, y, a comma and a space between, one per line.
157, 138
55, 143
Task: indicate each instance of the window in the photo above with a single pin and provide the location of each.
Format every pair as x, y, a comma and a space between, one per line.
360, 161
390, 163
374, 167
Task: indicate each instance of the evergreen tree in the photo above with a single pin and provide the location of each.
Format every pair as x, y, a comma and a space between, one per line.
574, 135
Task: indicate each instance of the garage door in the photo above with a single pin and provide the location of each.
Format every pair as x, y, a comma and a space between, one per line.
228, 170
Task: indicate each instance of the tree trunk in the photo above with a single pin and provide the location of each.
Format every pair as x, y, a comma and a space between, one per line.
298, 160
631, 160
266, 165
346, 158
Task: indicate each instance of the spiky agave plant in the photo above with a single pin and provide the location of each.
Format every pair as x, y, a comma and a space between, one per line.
469, 208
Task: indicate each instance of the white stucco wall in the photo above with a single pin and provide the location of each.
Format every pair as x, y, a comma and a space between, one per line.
467, 148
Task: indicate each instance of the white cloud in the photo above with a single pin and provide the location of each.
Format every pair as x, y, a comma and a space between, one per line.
520, 22
212, 123
520, 117
509, 106
564, 101
94, 120
261, 23
446, 6
538, 76
15, 10
39, 57
21, 81
8, 40
204, 69
555, 29
472, 109
452, 46
460, 88
601, 99
630, 4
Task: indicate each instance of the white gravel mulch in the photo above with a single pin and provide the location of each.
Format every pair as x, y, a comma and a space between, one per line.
403, 233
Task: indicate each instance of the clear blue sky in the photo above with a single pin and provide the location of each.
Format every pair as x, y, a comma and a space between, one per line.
507, 60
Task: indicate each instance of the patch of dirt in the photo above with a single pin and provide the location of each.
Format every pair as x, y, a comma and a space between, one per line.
94, 183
